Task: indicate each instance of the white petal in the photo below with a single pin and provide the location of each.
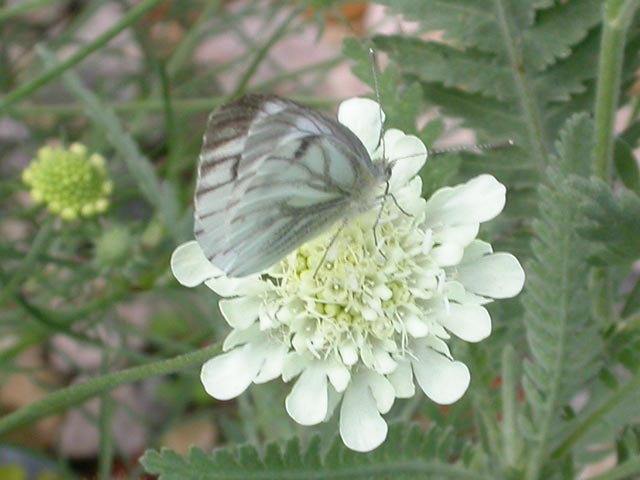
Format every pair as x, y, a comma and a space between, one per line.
240, 312
476, 249
410, 197
390, 137
459, 234
307, 402
230, 287
471, 323
362, 117
362, 428
435, 344
402, 380
228, 375
478, 200
240, 337
190, 266
339, 376
348, 353
448, 254
382, 390
294, 363
407, 156
498, 275
383, 363
274, 355
444, 381
416, 326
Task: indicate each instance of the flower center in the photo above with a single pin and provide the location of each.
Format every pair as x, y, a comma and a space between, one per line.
364, 296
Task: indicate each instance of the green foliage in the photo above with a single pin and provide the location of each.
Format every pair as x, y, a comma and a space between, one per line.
611, 221
408, 453
556, 301
513, 70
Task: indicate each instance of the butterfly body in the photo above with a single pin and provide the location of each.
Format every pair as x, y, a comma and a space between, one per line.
273, 174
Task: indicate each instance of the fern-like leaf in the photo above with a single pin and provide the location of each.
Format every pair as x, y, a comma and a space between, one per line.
612, 221
408, 453
509, 69
563, 338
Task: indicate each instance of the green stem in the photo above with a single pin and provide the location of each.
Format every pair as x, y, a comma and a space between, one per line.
526, 95
76, 394
105, 456
511, 440
28, 88
597, 416
190, 40
262, 53
38, 245
10, 12
617, 19
183, 106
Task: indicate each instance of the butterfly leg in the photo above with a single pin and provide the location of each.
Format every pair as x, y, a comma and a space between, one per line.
331, 243
398, 205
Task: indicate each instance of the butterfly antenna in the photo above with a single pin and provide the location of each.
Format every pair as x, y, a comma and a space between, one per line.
373, 60
472, 148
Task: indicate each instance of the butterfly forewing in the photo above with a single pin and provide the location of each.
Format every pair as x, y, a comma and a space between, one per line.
272, 175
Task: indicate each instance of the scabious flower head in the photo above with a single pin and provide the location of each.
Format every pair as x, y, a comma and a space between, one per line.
70, 182
374, 319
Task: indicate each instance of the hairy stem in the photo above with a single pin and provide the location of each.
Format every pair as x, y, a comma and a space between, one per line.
617, 19
597, 416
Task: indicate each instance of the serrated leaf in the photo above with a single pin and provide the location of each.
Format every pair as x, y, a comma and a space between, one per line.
557, 29
508, 69
408, 453
611, 220
556, 299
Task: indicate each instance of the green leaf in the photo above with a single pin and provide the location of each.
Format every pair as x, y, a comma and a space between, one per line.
611, 221
508, 69
408, 453
557, 29
401, 103
556, 299
626, 165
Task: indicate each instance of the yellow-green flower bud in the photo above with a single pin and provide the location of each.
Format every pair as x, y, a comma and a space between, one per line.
113, 248
70, 182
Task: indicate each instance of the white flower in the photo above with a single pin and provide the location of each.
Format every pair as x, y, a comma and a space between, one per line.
375, 316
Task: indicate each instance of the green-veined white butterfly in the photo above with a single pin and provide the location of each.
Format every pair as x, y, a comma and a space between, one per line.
273, 174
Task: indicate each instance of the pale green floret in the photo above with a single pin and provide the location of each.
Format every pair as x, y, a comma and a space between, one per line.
70, 182
351, 299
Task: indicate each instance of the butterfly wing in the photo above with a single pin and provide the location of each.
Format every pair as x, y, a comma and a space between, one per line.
272, 175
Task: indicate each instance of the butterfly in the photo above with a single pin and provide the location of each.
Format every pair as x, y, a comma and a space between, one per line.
273, 174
